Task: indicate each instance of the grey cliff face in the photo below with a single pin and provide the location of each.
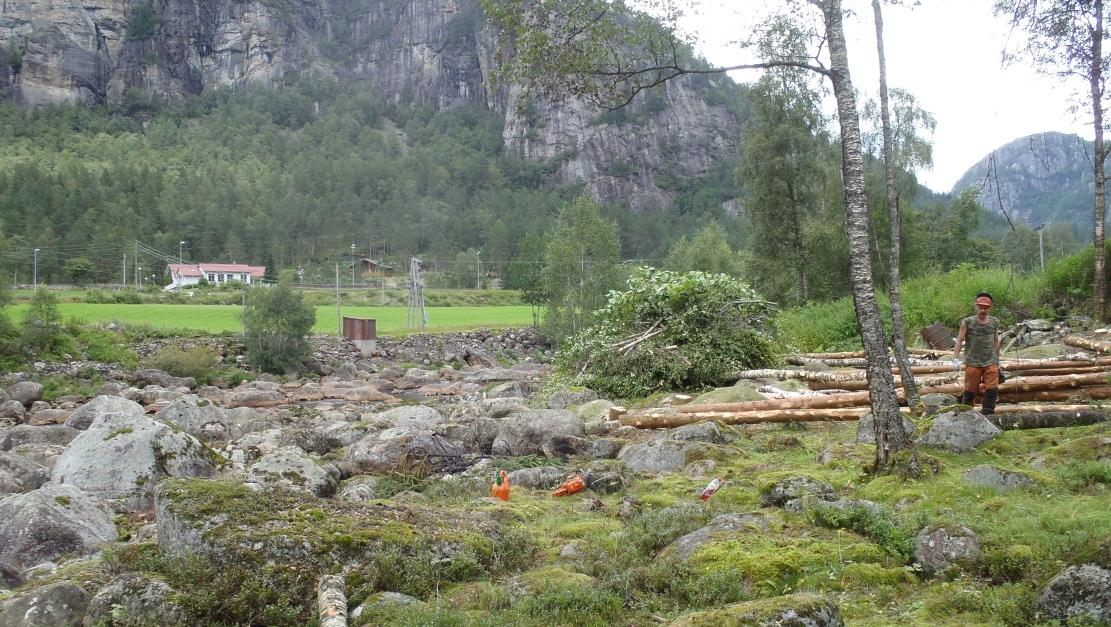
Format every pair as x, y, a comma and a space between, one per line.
436, 53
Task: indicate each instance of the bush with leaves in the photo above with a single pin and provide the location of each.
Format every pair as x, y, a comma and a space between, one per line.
669, 330
276, 325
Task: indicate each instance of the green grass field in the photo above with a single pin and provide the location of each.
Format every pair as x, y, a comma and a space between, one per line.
217, 318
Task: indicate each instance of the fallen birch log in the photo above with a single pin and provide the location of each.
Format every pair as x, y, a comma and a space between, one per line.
331, 601
853, 362
1051, 372
1095, 393
661, 420
1083, 342
860, 384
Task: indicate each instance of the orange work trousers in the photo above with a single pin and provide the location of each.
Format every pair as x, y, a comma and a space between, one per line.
977, 380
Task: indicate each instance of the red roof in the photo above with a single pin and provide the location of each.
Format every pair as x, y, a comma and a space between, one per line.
201, 269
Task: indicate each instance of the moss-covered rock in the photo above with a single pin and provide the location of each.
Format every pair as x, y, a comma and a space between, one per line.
801, 610
742, 391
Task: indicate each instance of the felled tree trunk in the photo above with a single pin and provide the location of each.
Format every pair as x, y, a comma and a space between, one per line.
1098, 392
331, 601
1083, 342
862, 385
660, 420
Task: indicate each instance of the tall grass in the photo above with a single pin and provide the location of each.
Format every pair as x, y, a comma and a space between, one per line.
945, 298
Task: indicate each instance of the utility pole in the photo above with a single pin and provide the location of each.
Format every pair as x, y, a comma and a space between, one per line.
140, 273
123, 278
478, 270
1041, 247
35, 268
352, 264
339, 320
137, 268
180, 245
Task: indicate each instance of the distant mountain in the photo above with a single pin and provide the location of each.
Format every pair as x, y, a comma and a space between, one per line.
1044, 178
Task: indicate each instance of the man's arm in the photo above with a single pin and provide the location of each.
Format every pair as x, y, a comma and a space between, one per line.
960, 339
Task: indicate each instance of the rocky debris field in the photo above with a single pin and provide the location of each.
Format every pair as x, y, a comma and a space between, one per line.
160, 502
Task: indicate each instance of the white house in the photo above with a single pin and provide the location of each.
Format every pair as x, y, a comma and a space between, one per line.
186, 274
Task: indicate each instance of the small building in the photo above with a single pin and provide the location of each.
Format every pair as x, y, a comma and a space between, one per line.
368, 268
187, 274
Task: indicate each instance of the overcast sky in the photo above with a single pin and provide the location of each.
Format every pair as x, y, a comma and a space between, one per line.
947, 54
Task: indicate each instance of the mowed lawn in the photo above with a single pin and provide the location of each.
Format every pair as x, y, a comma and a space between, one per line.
217, 318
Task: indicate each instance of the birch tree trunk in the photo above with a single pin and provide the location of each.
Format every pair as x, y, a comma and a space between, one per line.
1099, 286
890, 435
898, 328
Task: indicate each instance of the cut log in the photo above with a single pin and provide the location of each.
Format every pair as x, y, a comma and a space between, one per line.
1089, 344
661, 420
860, 384
1098, 392
1051, 372
852, 362
1049, 419
331, 601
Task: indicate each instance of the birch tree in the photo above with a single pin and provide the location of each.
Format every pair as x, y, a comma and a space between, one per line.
562, 49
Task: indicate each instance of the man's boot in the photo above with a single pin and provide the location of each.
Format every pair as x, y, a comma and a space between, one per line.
990, 398
967, 398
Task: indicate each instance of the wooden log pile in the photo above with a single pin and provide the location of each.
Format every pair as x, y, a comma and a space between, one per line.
1074, 379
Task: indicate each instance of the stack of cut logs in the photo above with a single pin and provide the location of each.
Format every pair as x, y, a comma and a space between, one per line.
1061, 386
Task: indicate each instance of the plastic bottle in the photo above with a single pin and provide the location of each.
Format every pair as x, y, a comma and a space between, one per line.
500, 489
571, 486
711, 487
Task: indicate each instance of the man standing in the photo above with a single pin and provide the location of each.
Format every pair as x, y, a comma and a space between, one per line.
980, 335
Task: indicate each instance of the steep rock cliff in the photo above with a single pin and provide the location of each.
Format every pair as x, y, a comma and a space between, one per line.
436, 53
1040, 178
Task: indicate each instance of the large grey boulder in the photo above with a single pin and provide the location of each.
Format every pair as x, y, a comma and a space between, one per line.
12, 412
140, 600
686, 546
84, 415
1078, 593
290, 465
660, 456
939, 547
502, 407
989, 476
358, 489
597, 409
152, 376
959, 432
123, 456
253, 397
199, 417
540, 477
788, 489
403, 450
509, 389
19, 474
53, 521
26, 392
551, 432
20, 435
932, 403
412, 417
415, 378
571, 398
59, 604
705, 431
866, 428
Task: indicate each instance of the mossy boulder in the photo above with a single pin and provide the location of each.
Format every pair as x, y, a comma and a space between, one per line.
989, 476
940, 546
788, 489
801, 610
742, 391
51, 522
84, 415
51, 605
597, 409
231, 523
139, 599
124, 456
1078, 593
959, 431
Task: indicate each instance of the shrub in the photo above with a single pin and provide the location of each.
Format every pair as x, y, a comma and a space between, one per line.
672, 330
43, 335
197, 362
106, 347
869, 523
277, 322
